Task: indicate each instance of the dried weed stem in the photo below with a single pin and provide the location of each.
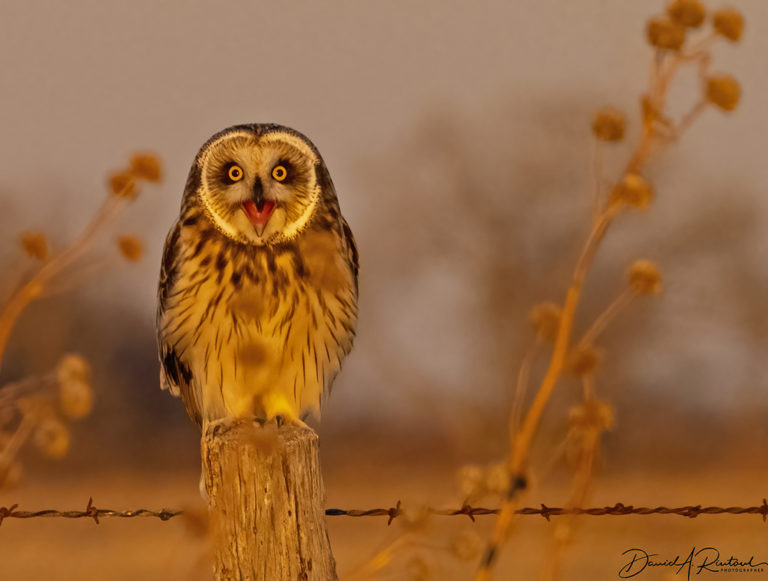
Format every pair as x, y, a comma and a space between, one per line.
668, 36
39, 407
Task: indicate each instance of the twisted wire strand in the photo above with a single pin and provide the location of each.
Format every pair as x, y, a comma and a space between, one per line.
618, 509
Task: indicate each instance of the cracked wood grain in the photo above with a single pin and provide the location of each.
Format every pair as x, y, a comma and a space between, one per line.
267, 503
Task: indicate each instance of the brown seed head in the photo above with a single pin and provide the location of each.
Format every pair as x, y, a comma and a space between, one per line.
470, 480
130, 247
75, 393
665, 33
467, 546
592, 414
147, 166
35, 244
52, 437
633, 191
73, 367
688, 13
497, 478
728, 22
545, 318
609, 124
583, 360
414, 517
123, 184
75, 398
645, 278
723, 91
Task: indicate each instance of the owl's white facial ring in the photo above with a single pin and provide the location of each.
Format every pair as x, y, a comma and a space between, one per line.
253, 205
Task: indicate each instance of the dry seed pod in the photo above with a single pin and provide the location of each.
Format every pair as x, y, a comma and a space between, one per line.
75, 399
75, 392
729, 23
470, 480
73, 366
644, 277
52, 437
146, 166
592, 414
633, 191
131, 248
688, 13
497, 478
609, 124
123, 184
545, 318
414, 518
723, 91
666, 34
583, 360
467, 546
35, 244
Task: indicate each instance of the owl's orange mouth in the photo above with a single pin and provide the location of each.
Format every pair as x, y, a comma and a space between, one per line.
259, 216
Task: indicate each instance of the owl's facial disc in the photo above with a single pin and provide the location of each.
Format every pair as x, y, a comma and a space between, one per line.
259, 189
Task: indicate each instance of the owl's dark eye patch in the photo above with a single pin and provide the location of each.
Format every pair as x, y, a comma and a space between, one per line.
283, 172
232, 173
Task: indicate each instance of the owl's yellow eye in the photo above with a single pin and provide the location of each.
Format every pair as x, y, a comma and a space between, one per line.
279, 173
235, 173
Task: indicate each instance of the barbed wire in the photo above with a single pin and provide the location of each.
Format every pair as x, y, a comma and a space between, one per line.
618, 509
90, 512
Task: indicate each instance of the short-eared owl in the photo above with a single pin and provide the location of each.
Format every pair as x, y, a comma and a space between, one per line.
258, 285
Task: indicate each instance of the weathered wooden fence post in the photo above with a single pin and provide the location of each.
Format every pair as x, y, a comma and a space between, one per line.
266, 500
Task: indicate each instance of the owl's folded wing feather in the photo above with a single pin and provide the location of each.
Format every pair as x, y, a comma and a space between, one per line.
175, 374
352, 255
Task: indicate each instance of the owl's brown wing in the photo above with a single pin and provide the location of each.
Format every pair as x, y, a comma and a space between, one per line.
175, 374
168, 268
352, 256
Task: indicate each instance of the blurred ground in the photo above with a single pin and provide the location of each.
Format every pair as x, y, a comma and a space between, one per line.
149, 549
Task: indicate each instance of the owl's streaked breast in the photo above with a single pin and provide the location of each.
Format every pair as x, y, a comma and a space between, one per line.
258, 330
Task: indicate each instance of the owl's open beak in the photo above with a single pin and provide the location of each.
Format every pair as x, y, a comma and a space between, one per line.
259, 214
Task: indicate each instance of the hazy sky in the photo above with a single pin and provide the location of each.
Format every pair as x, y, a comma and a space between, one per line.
86, 82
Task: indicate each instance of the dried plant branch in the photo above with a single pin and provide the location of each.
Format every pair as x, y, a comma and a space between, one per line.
588, 422
596, 171
667, 35
619, 304
36, 286
380, 560
523, 377
39, 406
16, 441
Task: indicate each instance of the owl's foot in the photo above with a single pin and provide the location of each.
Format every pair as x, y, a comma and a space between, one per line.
279, 408
284, 421
223, 425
